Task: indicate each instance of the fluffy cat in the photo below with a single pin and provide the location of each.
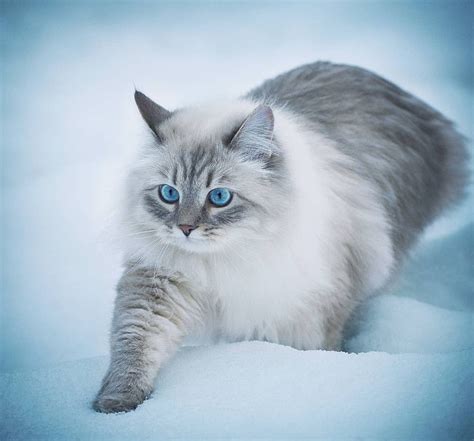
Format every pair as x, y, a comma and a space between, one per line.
273, 216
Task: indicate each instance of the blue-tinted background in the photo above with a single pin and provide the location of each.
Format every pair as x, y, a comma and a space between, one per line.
69, 124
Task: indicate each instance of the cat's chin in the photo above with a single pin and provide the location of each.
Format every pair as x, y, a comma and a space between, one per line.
198, 246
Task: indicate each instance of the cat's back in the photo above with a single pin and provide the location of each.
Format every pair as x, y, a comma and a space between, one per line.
334, 94
356, 107
411, 153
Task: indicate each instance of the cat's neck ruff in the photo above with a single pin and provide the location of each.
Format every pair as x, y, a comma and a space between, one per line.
259, 281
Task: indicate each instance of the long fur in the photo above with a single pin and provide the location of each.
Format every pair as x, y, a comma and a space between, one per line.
332, 186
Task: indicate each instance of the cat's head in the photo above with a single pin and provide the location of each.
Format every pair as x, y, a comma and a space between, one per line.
211, 178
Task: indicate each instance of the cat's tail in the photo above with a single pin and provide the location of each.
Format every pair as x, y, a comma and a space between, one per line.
455, 165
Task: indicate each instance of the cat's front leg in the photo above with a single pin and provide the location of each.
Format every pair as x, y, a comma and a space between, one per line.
154, 310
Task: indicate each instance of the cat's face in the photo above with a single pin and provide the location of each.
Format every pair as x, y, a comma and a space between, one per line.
201, 192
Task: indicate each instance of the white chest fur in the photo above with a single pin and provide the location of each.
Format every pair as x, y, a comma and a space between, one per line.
259, 288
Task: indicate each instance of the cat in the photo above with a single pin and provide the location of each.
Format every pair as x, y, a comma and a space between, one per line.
272, 216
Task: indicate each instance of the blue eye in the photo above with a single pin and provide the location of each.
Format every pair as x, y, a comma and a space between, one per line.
168, 194
220, 197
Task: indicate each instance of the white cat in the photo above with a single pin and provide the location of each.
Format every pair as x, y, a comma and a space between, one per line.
273, 216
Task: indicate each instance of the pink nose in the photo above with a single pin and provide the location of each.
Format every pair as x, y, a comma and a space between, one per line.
186, 229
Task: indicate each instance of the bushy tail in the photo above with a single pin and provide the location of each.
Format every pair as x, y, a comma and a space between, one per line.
455, 174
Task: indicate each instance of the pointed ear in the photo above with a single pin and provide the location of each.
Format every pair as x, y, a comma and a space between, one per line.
254, 136
152, 113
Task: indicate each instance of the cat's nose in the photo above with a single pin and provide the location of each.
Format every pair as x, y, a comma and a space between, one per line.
186, 229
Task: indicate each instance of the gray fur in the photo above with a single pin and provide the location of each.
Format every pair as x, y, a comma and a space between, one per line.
152, 113
407, 160
151, 310
258, 127
195, 167
410, 151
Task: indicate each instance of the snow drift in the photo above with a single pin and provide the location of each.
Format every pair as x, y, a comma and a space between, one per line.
420, 387
254, 390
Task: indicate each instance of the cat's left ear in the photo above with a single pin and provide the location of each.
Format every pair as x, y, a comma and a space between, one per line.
254, 137
152, 113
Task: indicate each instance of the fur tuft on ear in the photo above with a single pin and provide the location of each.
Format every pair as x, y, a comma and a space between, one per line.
152, 113
255, 135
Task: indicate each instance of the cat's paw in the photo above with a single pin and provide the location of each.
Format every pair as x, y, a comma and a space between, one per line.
117, 402
121, 394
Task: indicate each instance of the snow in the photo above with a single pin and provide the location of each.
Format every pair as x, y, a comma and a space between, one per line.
255, 390
398, 325
429, 309
418, 385
69, 127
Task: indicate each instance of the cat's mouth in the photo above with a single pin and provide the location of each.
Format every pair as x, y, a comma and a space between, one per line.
198, 241
193, 244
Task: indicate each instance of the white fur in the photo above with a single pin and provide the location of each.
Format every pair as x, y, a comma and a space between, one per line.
260, 285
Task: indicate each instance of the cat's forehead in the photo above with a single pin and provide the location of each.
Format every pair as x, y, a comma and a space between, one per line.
196, 143
202, 125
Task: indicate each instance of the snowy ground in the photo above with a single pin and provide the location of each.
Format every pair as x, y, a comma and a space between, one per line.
256, 390
68, 127
418, 385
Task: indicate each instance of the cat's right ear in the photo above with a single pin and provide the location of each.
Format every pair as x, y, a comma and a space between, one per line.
152, 113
